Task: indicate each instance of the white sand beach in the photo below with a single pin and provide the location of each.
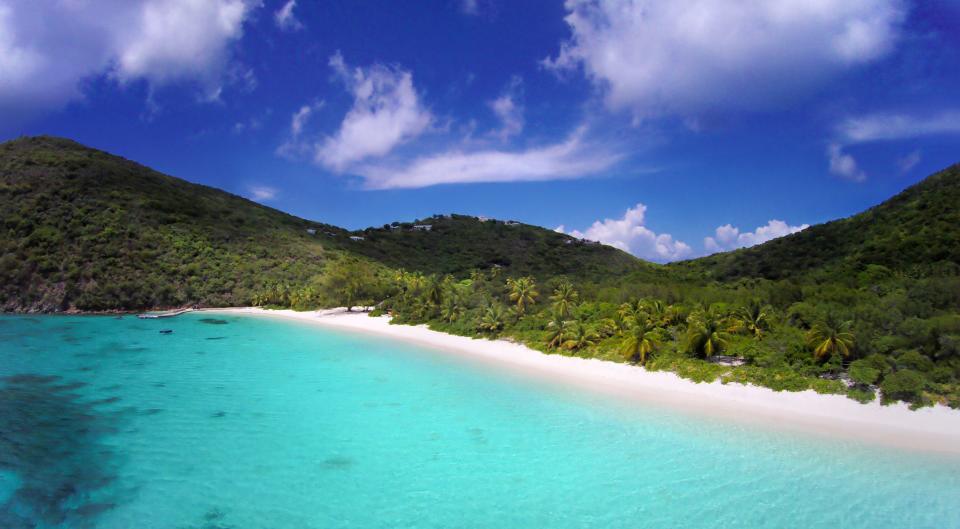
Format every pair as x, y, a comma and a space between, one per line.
934, 429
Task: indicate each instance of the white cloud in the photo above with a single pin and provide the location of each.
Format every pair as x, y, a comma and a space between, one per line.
285, 19
687, 56
728, 237
892, 126
262, 193
909, 161
508, 110
49, 47
843, 164
386, 112
572, 158
629, 234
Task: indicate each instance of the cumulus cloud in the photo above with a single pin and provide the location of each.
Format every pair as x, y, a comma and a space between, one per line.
386, 112
49, 47
687, 56
508, 110
629, 234
896, 126
844, 165
728, 237
571, 158
262, 193
285, 19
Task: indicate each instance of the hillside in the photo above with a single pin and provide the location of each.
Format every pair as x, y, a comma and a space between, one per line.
916, 232
458, 244
87, 230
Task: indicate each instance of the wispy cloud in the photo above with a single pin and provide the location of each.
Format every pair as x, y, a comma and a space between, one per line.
909, 161
509, 109
285, 19
262, 193
630, 234
896, 126
844, 165
470, 7
571, 158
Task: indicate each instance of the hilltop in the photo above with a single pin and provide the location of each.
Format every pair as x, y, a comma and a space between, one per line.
914, 232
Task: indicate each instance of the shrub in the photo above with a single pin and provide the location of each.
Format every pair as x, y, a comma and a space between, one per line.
863, 373
906, 385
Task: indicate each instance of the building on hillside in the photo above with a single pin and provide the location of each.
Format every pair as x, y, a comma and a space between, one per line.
356, 238
423, 227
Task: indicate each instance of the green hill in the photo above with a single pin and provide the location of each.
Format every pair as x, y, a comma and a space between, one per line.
459, 244
916, 232
86, 230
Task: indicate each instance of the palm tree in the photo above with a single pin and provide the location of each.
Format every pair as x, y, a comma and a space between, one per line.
557, 331
831, 335
642, 339
523, 292
493, 319
580, 336
630, 310
614, 325
754, 318
564, 298
452, 307
706, 333
656, 310
433, 291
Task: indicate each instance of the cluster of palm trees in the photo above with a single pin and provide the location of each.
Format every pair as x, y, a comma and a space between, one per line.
489, 305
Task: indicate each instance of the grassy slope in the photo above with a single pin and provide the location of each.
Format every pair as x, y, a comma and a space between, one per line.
916, 231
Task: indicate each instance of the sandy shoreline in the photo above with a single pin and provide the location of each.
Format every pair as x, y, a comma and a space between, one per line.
930, 429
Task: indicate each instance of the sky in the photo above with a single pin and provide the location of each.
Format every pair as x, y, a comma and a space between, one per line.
668, 129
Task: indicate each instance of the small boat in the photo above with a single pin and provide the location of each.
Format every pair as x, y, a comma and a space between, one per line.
166, 331
168, 314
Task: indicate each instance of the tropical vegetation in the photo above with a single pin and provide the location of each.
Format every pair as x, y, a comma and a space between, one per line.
867, 306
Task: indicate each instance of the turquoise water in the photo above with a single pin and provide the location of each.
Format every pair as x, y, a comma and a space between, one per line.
237, 422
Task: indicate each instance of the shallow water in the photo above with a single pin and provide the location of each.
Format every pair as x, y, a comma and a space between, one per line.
241, 422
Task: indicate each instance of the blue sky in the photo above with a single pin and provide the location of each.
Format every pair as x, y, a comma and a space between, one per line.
669, 129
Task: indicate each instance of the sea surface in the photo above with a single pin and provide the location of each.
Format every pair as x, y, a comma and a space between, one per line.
255, 423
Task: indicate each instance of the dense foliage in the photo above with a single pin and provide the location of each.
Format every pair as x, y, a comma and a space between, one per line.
86, 230
865, 306
458, 244
893, 335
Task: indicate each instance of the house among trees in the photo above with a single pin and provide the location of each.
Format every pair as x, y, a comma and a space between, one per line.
423, 227
356, 238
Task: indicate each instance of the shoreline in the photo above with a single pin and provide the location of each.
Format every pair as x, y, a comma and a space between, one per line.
935, 429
